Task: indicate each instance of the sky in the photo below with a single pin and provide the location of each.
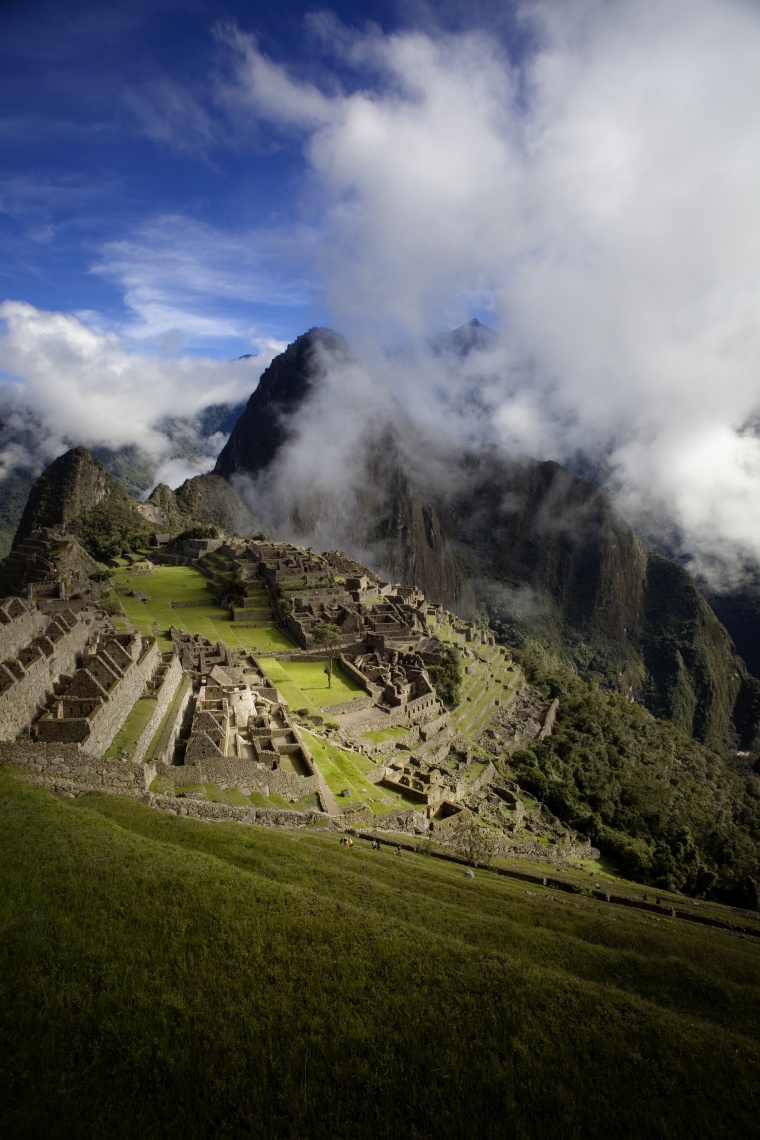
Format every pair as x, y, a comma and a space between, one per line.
185, 183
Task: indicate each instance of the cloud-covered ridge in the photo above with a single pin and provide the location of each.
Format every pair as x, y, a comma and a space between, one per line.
598, 196
67, 383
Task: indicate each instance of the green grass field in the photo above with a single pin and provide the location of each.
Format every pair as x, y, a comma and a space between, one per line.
303, 684
342, 769
167, 584
164, 978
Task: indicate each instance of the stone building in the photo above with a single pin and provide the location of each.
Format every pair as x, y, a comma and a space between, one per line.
40, 650
240, 733
92, 706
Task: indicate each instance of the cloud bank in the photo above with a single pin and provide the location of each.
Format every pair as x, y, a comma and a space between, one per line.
67, 383
598, 195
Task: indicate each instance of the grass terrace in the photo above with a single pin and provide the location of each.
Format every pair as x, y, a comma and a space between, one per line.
167, 584
130, 732
489, 682
343, 769
160, 977
304, 683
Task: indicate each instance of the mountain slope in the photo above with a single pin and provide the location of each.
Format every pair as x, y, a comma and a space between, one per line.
205, 499
541, 550
440, 1005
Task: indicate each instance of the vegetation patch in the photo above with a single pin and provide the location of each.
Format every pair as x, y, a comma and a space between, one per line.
343, 770
130, 732
668, 810
152, 983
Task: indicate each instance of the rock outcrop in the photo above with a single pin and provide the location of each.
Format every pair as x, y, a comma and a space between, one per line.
204, 499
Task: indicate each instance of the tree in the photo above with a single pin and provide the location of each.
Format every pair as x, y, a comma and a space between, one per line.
447, 677
328, 634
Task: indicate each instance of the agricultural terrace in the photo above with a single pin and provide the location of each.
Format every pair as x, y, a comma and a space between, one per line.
130, 732
303, 684
489, 679
344, 770
197, 611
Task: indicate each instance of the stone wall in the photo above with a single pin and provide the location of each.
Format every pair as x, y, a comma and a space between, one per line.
111, 715
347, 706
222, 813
358, 676
488, 774
164, 696
164, 751
27, 686
67, 766
20, 622
434, 749
549, 720
372, 748
237, 772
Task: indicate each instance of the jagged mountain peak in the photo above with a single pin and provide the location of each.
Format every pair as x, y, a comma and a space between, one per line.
75, 482
473, 336
284, 385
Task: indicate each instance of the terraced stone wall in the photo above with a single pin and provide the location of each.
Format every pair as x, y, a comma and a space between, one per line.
68, 766
164, 696
19, 624
237, 772
26, 686
111, 716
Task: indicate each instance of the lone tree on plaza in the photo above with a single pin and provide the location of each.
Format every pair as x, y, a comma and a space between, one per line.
327, 634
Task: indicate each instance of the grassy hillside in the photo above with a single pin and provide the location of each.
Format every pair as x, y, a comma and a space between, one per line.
163, 978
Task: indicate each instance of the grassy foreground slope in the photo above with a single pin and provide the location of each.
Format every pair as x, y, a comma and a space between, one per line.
161, 977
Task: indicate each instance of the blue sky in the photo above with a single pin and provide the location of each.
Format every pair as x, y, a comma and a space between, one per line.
135, 192
186, 182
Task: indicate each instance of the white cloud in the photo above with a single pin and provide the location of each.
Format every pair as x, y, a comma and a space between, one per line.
79, 385
599, 196
183, 279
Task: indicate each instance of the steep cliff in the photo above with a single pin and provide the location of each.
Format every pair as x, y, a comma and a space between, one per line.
73, 484
540, 550
263, 427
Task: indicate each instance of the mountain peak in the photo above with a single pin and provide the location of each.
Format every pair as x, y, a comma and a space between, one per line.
472, 336
73, 483
262, 428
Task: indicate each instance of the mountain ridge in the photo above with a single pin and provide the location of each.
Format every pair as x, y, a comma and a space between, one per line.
537, 548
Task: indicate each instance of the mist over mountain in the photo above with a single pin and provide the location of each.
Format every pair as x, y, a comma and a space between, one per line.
323, 455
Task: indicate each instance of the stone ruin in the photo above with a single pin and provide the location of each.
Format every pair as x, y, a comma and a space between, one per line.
68, 681
240, 733
37, 651
90, 707
69, 686
49, 564
307, 589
